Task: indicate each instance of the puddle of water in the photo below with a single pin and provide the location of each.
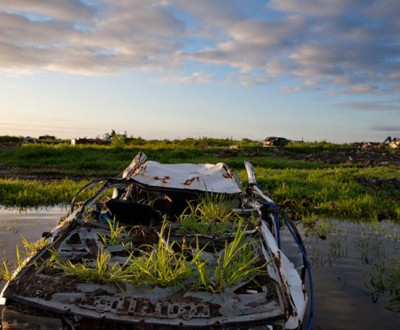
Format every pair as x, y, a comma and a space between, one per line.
28, 224
340, 265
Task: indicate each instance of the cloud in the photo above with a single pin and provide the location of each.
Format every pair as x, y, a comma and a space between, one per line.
251, 45
72, 10
386, 128
108, 38
372, 106
344, 46
360, 89
317, 7
195, 77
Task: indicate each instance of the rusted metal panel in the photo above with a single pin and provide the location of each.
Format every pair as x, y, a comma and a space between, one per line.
216, 178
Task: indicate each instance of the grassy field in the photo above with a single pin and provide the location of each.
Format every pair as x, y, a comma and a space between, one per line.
309, 180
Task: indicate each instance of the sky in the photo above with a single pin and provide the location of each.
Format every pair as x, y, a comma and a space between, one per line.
312, 70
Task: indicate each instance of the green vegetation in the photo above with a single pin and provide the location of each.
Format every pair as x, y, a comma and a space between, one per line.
30, 248
86, 270
333, 192
306, 189
117, 236
378, 248
31, 193
161, 265
236, 263
165, 263
213, 214
375, 244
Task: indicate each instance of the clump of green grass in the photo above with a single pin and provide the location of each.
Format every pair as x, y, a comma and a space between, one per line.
32, 247
213, 214
22, 257
99, 271
320, 228
5, 273
382, 271
238, 261
118, 234
384, 277
160, 264
150, 265
167, 263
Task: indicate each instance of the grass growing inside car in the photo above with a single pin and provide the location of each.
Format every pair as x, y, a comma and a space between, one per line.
150, 265
168, 263
213, 214
237, 262
160, 264
117, 235
30, 248
99, 271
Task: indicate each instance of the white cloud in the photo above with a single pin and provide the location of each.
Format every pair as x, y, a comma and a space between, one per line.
71, 10
360, 89
337, 43
195, 77
318, 7
373, 105
386, 128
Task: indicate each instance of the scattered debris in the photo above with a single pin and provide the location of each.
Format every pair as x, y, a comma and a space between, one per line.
366, 145
393, 183
352, 156
392, 143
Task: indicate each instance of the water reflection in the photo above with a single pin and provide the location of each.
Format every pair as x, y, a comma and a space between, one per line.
29, 224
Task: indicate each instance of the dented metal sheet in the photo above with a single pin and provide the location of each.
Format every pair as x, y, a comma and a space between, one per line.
216, 178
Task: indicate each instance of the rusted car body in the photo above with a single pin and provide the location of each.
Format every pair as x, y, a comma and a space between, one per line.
150, 202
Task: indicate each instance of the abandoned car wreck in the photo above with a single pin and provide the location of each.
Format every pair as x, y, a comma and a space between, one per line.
165, 246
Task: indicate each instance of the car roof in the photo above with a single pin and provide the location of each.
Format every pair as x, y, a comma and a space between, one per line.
213, 178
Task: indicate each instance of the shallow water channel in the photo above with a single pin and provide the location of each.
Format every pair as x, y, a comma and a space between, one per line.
347, 264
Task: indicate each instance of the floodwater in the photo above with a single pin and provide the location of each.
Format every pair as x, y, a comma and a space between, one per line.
346, 264
342, 264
